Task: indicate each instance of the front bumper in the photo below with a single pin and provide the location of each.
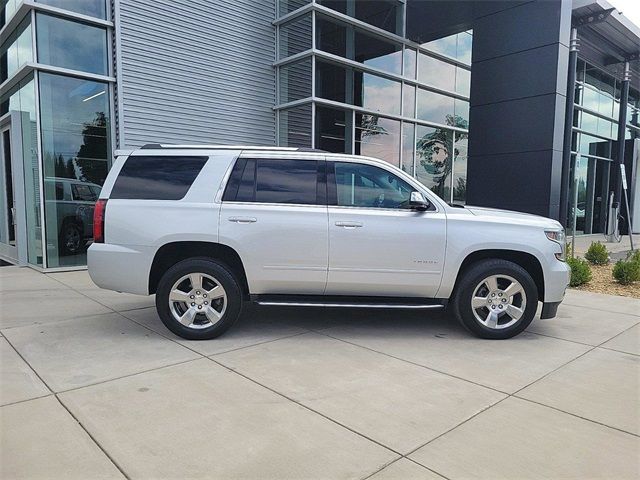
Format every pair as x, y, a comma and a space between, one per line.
556, 281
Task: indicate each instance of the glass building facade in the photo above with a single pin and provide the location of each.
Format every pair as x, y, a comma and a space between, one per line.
57, 83
350, 81
594, 141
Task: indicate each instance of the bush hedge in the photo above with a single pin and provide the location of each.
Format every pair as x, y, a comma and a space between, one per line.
580, 271
597, 254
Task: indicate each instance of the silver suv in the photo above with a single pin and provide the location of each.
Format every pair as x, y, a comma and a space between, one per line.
207, 228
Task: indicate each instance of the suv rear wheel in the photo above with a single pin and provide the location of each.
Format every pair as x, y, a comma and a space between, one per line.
496, 299
198, 299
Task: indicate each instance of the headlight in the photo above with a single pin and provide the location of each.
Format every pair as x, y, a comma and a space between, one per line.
558, 237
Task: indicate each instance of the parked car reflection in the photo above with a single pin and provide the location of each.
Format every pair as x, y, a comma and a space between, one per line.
73, 201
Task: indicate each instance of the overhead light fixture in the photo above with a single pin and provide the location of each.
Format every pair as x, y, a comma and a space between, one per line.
94, 96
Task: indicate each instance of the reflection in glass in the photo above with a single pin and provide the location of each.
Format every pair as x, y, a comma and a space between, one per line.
409, 63
378, 137
408, 146
460, 152
331, 81
23, 102
331, 130
295, 127
331, 37
287, 6
456, 46
383, 14
295, 80
433, 107
93, 8
463, 81
409, 101
16, 50
436, 73
378, 53
74, 117
461, 112
68, 44
295, 36
376, 93
433, 159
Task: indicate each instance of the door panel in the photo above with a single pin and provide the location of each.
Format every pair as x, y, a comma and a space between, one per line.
377, 244
389, 253
8, 226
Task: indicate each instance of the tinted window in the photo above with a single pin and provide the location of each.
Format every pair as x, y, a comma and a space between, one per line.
84, 193
360, 185
157, 178
274, 181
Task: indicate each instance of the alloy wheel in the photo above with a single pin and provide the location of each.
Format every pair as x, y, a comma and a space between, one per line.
498, 301
197, 300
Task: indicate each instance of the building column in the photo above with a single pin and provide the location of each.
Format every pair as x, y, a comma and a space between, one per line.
568, 127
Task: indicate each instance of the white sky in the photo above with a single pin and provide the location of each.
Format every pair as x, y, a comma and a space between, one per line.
629, 8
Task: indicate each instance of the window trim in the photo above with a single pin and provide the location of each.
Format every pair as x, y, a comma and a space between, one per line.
237, 169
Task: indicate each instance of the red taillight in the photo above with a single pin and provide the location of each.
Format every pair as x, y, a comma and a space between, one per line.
98, 221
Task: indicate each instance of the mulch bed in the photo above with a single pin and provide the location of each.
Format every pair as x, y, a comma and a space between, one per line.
603, 282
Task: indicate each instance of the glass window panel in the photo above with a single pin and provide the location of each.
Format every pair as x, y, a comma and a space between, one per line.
436, 73
331, 37
23, 102
590, 145
433, 107
409, 101
378, 137
377, 53
410, 63
460, 153
433, 159
337, 5
17, 50
463, 81
465, 43
408, 146
295, 127
154, 177
68, 44
589, 122
295, 36
76, 148
295, 80
287, 6
379, 13
331, 81
461, 114
605, 128
332, 128
93, 8
590, 98
286, 181
445, 45
8, 9
360, 185
376, 93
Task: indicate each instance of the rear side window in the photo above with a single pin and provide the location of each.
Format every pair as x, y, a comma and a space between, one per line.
275, 181
157, 177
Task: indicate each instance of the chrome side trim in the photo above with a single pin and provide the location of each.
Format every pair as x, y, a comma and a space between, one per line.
346, 305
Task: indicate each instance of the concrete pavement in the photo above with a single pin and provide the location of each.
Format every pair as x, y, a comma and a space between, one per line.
92, 385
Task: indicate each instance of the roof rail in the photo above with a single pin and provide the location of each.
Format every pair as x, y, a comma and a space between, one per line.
158, 146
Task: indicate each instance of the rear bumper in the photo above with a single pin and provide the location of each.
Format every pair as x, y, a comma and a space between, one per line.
120, 268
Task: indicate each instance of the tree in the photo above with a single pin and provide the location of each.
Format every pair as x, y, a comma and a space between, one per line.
94, 147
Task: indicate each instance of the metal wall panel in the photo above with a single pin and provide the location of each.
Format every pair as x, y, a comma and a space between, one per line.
196, 71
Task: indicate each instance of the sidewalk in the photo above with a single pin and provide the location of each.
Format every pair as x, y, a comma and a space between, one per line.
584, 241
92, 385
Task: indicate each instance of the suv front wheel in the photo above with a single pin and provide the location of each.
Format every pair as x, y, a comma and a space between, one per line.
496, 299
198, 299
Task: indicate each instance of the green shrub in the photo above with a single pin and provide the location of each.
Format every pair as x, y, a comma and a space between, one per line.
634, 256
627, 271
597, 254
568, 249
580, 271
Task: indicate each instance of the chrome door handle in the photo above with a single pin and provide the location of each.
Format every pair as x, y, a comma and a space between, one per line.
349, 224
243, 219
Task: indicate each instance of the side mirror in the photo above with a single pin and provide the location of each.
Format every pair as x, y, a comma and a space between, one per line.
418, 202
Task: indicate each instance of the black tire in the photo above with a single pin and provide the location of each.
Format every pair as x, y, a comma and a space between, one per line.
223, 275
71, 238
465, 290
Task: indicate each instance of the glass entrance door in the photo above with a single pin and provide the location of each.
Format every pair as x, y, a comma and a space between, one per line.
8, 227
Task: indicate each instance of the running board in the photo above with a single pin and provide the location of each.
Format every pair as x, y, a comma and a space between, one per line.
337, 301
